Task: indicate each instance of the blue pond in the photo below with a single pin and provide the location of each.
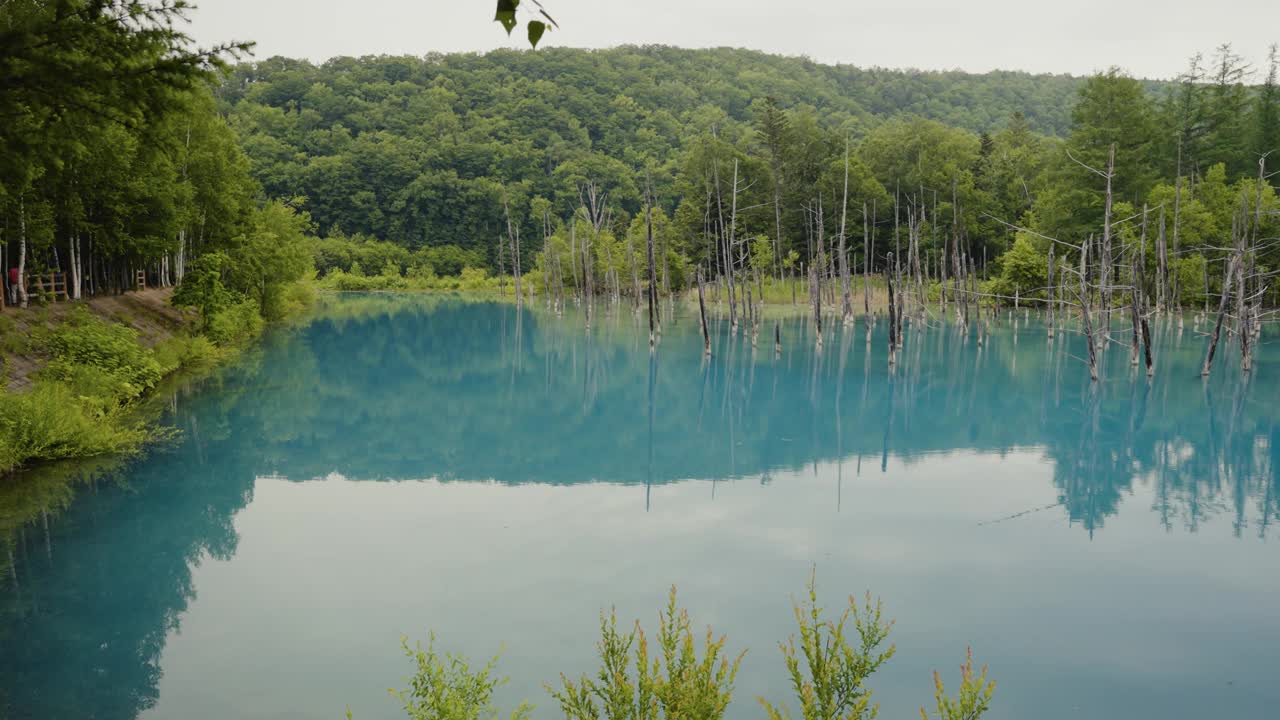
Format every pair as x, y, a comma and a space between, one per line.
396, 465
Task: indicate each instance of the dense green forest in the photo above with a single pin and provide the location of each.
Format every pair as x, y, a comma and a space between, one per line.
116, 161
157, 157
441, 150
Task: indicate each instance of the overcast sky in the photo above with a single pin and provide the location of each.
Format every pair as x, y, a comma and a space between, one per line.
1149, 38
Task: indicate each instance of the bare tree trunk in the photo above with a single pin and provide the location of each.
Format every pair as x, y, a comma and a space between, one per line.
957, 267
1085, 316
513, 234
635, 272
815, 296
502, 269
1106, 246
22, 251
866, 267
915, 256
1140, 294
1242, 310
653, 281
702, 317
893, 315
1175, 289
1050, 290
573, 253
730, 241
1222, 311
1162, 272
846, 304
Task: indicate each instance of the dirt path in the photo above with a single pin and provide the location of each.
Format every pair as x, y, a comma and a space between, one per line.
148, 312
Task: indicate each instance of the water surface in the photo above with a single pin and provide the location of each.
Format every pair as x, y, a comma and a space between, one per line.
402, 464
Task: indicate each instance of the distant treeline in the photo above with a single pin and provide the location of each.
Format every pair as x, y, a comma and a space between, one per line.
438, 150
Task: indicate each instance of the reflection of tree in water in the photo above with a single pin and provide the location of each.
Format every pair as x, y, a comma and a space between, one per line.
94, 592
383, 388
1206, 448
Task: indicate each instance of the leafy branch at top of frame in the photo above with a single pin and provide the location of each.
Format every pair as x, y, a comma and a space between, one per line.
536, 28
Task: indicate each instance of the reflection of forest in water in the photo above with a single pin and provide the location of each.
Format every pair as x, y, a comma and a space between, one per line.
381, 388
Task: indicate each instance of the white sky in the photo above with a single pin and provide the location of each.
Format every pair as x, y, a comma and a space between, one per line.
1149, 38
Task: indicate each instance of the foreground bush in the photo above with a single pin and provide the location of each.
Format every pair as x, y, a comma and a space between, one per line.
81, 404
89, 341
829, 663
53, 422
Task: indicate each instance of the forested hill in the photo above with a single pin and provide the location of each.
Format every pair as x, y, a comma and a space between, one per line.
411, 149
663, 80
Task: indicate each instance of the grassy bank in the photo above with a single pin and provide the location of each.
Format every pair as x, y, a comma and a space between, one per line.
76, 376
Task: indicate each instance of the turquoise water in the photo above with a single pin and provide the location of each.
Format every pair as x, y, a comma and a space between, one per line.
399, 465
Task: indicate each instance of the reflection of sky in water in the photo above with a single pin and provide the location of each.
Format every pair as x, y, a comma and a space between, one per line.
1099, 549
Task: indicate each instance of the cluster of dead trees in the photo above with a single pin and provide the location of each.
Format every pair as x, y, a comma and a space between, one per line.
927, 280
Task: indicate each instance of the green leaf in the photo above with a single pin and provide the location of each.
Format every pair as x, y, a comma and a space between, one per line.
506, 14
536, 28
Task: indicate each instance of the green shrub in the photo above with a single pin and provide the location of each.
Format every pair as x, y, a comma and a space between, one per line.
234, 324
53, 421
186, 351
973, 700
446, 688
88, 340
682, 681
202, 286
297, 296
473, 279
831, 684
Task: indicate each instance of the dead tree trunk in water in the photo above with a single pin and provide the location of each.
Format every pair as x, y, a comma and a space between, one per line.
653, 280
815, 295
1222, 311
702, 317
866, 268
957, 267
1085, 317
1106, 245
573, 254
502, 269
1049, 292
1162, 269
1140, 295
893, 310
846, 305
513, 235
1175, 286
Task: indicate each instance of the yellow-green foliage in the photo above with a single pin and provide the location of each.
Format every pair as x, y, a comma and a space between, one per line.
54, 421
446, 688
974, 698
832, 682
686, 680
187, 351
681, 681
422, 279
234, 324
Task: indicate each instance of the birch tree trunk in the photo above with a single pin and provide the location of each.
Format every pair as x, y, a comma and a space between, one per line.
22, 251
